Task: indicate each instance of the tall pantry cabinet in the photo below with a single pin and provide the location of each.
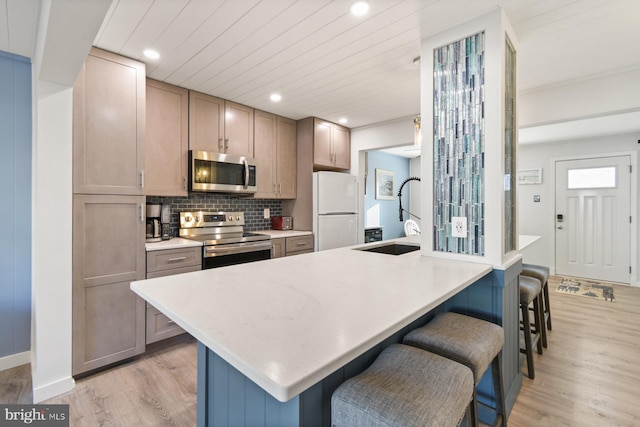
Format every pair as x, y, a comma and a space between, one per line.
108, 210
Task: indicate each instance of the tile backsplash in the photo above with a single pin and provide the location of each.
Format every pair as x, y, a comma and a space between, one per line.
253, 208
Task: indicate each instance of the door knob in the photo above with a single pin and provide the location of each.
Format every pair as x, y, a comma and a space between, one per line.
559, 227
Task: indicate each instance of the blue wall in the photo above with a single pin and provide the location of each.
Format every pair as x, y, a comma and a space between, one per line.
15, 213
388, 209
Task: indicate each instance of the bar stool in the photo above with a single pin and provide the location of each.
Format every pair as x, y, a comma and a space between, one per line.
530, 292
541, 273
404, 386
474, 343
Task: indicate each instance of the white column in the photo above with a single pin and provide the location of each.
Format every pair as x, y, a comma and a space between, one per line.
496, 29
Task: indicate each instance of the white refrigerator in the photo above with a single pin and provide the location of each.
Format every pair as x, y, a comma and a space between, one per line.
335, 210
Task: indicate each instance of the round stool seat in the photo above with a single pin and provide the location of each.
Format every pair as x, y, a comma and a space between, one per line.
530, 288
404, 386
539, 272
464, 339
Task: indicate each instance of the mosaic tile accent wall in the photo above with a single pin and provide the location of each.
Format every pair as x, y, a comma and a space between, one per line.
509, 149
458, 144
253, 208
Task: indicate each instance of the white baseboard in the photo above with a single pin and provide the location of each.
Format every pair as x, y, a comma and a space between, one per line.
53, 389
15, 360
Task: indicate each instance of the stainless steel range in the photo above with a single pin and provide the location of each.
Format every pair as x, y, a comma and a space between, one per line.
225, 241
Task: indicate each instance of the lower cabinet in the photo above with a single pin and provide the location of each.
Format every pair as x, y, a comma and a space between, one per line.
161, 263
278, 247
299, 244
108, 254
287, 246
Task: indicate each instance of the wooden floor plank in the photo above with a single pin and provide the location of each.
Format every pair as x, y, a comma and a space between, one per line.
589, 375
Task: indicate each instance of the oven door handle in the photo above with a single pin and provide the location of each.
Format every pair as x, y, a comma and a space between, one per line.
246, 173
237, 248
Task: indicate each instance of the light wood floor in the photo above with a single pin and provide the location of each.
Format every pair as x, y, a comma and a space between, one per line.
589, 375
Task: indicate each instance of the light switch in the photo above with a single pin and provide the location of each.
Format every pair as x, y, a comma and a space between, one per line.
459, 226
266, 214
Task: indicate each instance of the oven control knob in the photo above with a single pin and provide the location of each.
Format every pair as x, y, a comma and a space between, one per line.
238, 217
230, 218
188, 218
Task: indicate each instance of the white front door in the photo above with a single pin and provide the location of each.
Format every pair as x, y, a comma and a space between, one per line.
593, 218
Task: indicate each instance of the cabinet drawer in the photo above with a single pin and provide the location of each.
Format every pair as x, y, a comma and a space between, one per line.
170, 259
300, 243
160, 326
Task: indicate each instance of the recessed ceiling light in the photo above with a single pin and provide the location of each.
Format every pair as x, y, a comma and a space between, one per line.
276, 97
343, 120
359, 8
151, 54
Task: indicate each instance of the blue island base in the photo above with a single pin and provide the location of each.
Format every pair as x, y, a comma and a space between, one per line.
226, 397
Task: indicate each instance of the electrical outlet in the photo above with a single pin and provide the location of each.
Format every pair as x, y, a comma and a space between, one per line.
266, 214
459, 226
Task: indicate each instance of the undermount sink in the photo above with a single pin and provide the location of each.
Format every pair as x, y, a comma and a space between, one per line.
392, 249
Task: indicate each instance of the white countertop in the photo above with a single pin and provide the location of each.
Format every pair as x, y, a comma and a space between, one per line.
287, 323
525, 240
173, 243
275, 234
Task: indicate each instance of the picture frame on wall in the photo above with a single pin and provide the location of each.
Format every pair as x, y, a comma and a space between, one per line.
530, 176
385, 184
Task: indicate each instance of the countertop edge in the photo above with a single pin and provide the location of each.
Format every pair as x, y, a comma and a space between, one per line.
281, 234
173, 243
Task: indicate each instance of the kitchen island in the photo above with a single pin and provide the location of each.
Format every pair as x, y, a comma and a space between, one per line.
276, 337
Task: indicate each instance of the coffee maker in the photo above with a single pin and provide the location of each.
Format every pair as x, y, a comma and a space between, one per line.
165, 219
154, 229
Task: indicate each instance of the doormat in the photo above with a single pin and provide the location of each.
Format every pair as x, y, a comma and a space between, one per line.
585, 288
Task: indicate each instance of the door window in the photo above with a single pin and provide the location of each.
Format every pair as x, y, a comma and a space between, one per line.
604, 177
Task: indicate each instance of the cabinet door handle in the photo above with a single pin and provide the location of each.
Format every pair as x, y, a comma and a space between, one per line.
182, 258
142, 212
220, 144
142, 178
279, 188
226, 143
302, 244
185, 183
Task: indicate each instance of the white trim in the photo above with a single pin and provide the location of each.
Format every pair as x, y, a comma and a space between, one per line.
576, 80
633, 249
53, 389
14, 360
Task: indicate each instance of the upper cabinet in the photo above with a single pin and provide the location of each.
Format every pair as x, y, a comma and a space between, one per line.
331, 146
275, 153
220, 126
167, 140
109, 125
287, 167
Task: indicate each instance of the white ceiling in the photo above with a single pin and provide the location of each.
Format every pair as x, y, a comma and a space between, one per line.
325, 62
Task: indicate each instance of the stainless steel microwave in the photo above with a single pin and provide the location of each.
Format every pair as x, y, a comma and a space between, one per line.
224, 173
